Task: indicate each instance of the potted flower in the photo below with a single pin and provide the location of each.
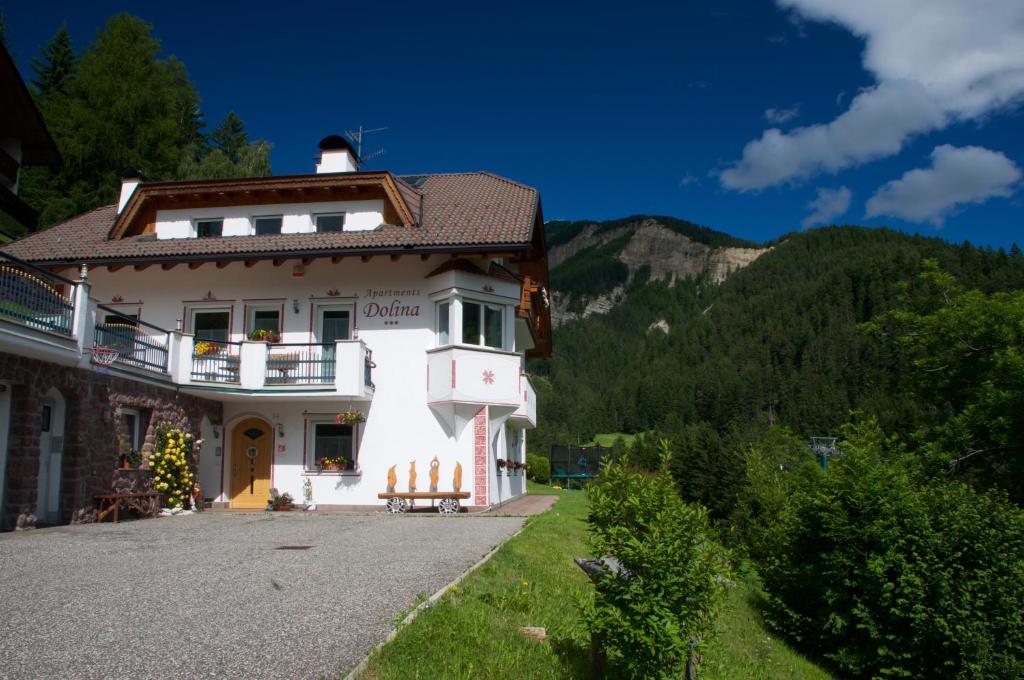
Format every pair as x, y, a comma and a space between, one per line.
501, 463
207, 348
350, 418
130, 459
265, 335
333, 463
280, 502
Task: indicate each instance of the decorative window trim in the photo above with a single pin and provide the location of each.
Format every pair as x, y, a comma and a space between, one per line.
250, 316
190, 316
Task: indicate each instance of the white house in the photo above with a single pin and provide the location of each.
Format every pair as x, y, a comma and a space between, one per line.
295, 301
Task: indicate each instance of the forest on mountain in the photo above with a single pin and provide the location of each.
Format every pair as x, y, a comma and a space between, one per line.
780, 342
117, 104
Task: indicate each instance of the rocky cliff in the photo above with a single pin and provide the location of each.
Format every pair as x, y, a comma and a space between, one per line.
666, 249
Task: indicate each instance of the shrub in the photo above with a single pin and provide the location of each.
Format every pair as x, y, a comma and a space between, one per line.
169, 462
540, 469
887, 576
674, 585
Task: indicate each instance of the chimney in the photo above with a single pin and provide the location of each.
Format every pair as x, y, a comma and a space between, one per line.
337, 155
130, 178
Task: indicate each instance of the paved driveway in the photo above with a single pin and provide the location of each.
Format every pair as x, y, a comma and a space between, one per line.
210, 596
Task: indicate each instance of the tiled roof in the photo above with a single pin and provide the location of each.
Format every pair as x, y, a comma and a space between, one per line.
459, 210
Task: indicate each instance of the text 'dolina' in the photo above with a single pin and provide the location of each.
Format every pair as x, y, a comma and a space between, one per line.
394, 309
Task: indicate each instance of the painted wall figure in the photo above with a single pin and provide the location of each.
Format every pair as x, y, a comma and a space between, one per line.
434, 473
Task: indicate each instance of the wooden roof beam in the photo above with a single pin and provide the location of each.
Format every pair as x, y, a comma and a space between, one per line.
249, 264
195, 265
140, 267
167, 266
223, 263
114, 267
366, 258
278, 261
337, 258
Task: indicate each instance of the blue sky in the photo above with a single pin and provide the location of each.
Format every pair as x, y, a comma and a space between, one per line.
612, 109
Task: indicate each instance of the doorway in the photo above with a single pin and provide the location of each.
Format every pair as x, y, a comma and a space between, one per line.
51, 449
252, 445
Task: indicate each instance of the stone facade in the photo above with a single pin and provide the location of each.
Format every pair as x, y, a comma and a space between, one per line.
92, 428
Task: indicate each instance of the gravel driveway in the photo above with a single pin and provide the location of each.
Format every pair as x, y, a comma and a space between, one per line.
210, 596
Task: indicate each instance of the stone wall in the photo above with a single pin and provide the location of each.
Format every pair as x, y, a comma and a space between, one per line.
91, 430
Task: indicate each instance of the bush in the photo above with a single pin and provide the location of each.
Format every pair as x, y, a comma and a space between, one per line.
887, 576
539, 469
647, 621
170, 464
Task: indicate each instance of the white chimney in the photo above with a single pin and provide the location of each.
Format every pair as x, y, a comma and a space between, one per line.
337, 155
130, 178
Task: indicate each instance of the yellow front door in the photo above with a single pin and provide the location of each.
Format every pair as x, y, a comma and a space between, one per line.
252, 445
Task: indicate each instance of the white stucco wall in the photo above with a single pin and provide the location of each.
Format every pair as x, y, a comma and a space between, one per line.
400, 426
297, 218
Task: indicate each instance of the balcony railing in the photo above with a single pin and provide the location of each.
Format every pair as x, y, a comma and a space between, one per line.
35, 297
300, 364
216, 361
138, 344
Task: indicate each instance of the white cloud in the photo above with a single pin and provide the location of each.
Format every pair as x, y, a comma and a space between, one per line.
828, 205
957, 176
935, 62
688, 179
782, 116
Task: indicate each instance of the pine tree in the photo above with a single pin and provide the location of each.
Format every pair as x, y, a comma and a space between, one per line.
55, 65
230, 137
3, 28
1015, 250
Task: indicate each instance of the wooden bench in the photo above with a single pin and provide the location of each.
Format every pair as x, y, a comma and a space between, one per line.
449, 505
146, 504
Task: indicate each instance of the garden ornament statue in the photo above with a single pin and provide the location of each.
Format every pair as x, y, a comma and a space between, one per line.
434, 473
392, 479
457, 481
412, 476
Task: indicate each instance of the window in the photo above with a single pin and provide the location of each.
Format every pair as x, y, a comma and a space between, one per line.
270, 224
134, 429
332, 441
334, 325
330, 222
209, 228
443, 324
211, 324
265, 319
482, 324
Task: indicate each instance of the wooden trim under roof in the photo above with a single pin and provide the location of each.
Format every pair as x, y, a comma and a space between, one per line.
139, 214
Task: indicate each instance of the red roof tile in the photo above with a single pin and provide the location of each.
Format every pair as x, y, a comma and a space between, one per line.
459, 211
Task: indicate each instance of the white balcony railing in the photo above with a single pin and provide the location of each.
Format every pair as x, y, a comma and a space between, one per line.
526, 414
470, 375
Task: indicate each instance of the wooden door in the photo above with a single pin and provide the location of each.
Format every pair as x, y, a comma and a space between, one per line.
252, 445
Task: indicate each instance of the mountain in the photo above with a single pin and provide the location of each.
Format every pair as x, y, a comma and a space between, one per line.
593, 263
727, 335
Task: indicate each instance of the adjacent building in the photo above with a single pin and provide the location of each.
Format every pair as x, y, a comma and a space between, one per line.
288, 321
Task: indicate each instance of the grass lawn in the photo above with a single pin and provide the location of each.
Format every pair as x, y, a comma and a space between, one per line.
473, 631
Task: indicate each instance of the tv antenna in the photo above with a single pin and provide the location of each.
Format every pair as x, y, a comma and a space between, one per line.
357, 138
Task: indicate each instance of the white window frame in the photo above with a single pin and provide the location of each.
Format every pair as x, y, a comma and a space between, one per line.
437, 321
310, 462
316, 216
503, 313
252, 223
135, 439
197, 220
192, 311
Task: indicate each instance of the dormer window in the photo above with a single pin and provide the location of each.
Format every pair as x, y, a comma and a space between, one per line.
267, 224
209, 228
326, 222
